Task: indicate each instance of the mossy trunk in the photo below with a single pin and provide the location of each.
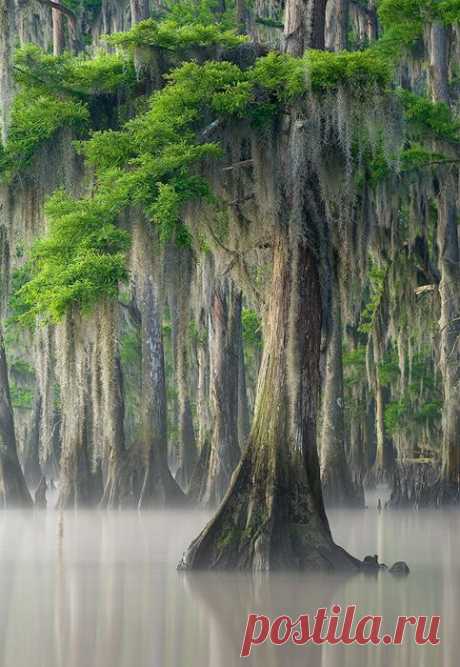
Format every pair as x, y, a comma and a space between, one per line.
439, 64
7, 42
304, 25
140, 10
337, 24
58, 20
448, 488
224, 334
114, 453
204, 277
13, 488
188, 453
384, 456
273, 516
79, 483
31, 459
244, 419
449, 323
158, 487
336, 479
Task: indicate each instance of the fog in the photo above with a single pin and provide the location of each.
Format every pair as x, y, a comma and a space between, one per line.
101, 589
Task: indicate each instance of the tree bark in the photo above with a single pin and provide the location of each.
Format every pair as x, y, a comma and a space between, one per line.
188, 453
13, 488
159, 487
116, 483
449, 323
244, 420
337, 18
449, 289
224, 328
7, 41
337, 483
79, 484
384, 457
304, 26
273, 516
439, 66
58, 30
31, 459
240, 7
140, 10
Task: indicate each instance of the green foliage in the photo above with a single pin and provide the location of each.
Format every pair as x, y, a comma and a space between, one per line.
21, 397
55, 93
269, 22
21, 368
429, 118
186, 12
34, 121
80, 76
416, 157
130, 349
151, 162
197, 335
19, 278
354, 366
420, 404
404, 20
376, 284
79, 262
388, 370
288, 77
92, 6
354, 70
173, 35
252, 328
402, 415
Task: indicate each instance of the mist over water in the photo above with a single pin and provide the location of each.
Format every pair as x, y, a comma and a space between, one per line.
108, 593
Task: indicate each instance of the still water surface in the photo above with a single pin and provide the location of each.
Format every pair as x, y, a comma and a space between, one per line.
109, 595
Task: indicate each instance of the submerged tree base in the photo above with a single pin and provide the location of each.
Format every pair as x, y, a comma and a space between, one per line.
267, 527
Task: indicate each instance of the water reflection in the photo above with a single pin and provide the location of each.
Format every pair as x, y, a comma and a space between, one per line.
109, 595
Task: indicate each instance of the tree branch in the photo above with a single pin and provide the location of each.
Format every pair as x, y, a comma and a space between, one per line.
61, 8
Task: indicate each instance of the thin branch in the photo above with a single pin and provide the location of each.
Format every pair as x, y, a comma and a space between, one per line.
237, 165
425, 288
210, 129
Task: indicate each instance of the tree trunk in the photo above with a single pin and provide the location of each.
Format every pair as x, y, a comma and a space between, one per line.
116, 483
372, 22
140, 10
204, 280
225, 325
449, 289
384, 457
240, 6
304, 26
337, 484
79, 484
159, 487
244, 420
13, 488
337, 16
58, 31
31, 459
7, 41
273, 516
188, 453
439, 66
